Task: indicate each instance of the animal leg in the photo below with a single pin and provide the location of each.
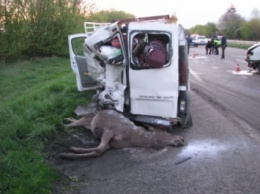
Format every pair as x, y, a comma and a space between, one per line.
71, 119
84, 121
83, 155
90, 152
106, 137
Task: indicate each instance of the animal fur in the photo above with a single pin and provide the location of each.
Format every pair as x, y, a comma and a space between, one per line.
117, 131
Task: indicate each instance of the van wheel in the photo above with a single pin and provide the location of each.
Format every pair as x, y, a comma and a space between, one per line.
258, 68
188, 124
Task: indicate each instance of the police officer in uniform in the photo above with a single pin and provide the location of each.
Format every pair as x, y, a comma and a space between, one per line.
223, 46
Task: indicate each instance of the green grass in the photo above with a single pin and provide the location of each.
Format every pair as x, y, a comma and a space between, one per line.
35, 97
241, 46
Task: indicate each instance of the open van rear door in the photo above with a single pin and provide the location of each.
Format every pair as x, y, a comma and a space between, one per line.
78, 62
153, 91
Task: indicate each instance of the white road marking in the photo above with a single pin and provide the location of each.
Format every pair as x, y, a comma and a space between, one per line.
241, 61
198, 57
195, 75
242, 72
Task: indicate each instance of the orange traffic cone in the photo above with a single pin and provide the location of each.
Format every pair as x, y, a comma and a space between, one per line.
194, 54
238, 68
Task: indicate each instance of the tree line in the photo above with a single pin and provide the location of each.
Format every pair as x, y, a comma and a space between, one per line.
233, 25
40, 28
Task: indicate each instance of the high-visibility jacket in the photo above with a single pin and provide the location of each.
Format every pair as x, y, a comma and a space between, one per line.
217, 42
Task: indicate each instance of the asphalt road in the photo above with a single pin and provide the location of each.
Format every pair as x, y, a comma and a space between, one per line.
221, 154
219, 81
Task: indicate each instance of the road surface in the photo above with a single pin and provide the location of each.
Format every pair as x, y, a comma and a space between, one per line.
218, 79
221, 154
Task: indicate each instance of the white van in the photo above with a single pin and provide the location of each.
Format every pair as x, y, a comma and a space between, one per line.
253, 56
148, 84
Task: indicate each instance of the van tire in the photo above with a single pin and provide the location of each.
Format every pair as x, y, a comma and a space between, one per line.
189, 123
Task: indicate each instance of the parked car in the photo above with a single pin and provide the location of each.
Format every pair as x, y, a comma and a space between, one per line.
201, 40
118, 63
219, 37
253, 56
193, 43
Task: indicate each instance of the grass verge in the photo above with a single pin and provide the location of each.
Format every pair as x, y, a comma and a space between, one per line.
241, 46
35, 97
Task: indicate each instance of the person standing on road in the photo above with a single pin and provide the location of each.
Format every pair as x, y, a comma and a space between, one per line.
213, 45
189, 40
223, 46
217, 43
208, 47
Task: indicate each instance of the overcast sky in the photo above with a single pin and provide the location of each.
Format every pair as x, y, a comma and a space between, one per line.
188, 12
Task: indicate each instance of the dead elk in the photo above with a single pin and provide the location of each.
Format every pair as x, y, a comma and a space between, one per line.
116, 131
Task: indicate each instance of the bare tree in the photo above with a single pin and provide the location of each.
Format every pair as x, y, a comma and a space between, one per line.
230, 23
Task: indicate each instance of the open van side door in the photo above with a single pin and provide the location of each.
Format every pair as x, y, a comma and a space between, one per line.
78, 62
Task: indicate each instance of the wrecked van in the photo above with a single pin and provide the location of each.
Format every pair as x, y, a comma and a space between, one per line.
138, 67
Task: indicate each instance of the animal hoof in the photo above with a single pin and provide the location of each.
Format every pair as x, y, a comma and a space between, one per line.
179, 141
73, 149
70, 119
